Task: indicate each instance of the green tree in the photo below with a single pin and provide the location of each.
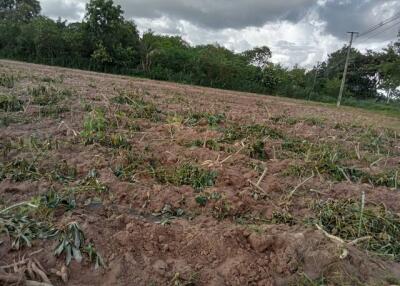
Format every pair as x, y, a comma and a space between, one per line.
258, 56
108, 33
19, 10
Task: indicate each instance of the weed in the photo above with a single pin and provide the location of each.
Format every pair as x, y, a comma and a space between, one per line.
127, 170
304, 280
94, 127
48, 95
53, 199
62, 172
7, 80
209, 144
19, 170
94, 256
142, 108
197, 118
91, 184
314, 121
201, 200
285, 120
257, 150
10, 103
257, 131
23, 230
115, 141
186, 174
70, 240
283, 218
345, 219
53, 110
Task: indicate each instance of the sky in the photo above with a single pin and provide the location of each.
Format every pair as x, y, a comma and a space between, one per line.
299, 32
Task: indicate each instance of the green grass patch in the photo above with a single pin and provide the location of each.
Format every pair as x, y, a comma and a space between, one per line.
186, 174
48, 94
345, 219
256, 131
7, 80
10, 103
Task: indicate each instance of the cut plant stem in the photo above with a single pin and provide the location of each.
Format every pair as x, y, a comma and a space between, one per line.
299, 185
18, 205
361, 212
262, 176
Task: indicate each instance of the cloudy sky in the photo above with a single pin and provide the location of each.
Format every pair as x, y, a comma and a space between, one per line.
297, 31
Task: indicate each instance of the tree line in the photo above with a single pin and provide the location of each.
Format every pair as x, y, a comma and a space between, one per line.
105, 41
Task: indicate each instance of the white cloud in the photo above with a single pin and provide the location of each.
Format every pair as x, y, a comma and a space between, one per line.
298, 32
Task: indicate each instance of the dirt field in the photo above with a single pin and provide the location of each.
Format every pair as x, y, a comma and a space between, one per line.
163, 184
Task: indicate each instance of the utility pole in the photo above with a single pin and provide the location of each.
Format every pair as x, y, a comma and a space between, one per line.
345, 68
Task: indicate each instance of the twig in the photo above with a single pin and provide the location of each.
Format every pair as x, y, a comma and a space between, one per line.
299, 185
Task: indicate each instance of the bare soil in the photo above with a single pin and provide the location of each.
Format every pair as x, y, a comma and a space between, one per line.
155, 230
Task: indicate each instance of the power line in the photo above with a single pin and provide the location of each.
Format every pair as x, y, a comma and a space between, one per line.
379, 32
381, 24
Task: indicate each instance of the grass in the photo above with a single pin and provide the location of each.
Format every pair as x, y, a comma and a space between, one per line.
257, 150
140, 107
19, 170
210, 144
237, 132
94, 127
22, 229
197, 118
10, 103
186, 174
91, 184
344, 218
7, 80
47, 94
287, 120
53, 110
128, 168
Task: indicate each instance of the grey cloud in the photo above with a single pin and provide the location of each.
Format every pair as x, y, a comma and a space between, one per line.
219, 14
357, 15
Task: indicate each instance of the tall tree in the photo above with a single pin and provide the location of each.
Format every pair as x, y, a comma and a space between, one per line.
111, 39
258, 56
19, 10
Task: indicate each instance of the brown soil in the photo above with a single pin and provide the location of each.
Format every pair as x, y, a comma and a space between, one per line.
228, 241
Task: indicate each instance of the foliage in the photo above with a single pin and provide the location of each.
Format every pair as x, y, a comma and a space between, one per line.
23, 230
70, 240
